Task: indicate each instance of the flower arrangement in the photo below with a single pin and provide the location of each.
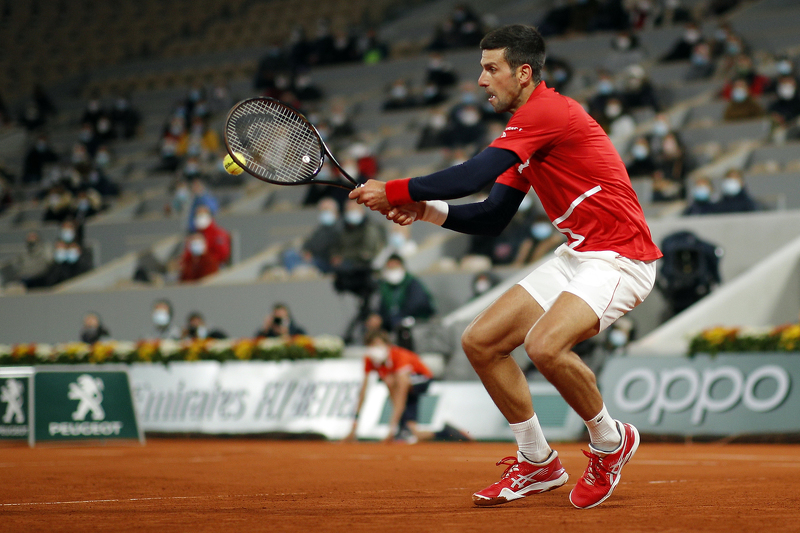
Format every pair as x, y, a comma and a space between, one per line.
785, 338
262, 349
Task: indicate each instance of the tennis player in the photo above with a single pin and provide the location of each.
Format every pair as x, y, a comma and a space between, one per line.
605, 269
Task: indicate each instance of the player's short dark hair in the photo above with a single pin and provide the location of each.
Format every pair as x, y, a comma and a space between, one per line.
521, 45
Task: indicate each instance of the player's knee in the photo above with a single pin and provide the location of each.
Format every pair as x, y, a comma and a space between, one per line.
542, 353
474, 345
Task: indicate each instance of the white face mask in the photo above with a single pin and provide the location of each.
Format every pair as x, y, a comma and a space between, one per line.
67, 235
702, 193
660, 128
378, 354
639, 151
160, 317
327, 218
731, 186
397, 240
394, 276
617, 338
197, 247
739, 94
541, 230
786, 90
60, 255
613, 110
354, 218
202, 221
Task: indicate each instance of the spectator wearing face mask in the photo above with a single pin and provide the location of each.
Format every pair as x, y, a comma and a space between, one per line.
93, 329
642, 164
69, 260
701, 202
703, 65
742, 105
399, 242
638, 91
58, 204
161, 316
218, 240
619, 335
196, 261
401, 295
541, 239
71, 231
617, 122
399, 97
605, 89
734, 198
682, 49
316, 249
280, 324
483, 282
201, 196
197, 329
359, 241
125, 118
671, 161
786, 108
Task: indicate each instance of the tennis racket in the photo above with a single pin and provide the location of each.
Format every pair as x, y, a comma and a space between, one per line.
274, 142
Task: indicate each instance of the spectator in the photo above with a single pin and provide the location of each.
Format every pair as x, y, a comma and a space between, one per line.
467, 125
639, 92
624, 41
703, 66
93, 112
617, 122
701, 203
87, 203
280, 324
218, 240
683, 48
39, 155
32, 265
735, 198
316, 250
201, 142
440, 72
643, 163
70, 260
59, 204
400, 96
744, 71
340, 121
196, 328
181, 197
541, 239
98, 181
557, 73
672, 13
93, 329
672, 159
196, 261
87, 136
370, 49
483, 282
201, 196
742, 105
360, 240
125, 119
401, 295
162, 316
666, 189
604, 90
407, 378
71, 231
619, 335
786, 108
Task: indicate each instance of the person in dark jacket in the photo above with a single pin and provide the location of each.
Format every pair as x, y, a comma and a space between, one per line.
735, 198
402, 295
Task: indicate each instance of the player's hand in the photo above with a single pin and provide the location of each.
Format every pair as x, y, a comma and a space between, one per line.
373, 195
406, 214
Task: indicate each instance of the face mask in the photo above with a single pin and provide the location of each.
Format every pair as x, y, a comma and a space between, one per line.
784, 67
197, 247
469, 117
733, 48
182, 194
731, 186
327, 218
482, 285
702, 193
623, 43
85, 135
560, 75
102, 159
786, 91
605, 87
639, 151
200, 332
191, 169
394, 276
660, 128
699, 59
613, 111
399, 92
438, 121
468, 98
160, 317
354, 218
378, 354
202, 221
60, 255
691, 36
541, 230
670, 147
617, 338
525, 204
72, 255
83, 205
397, 241
67, 235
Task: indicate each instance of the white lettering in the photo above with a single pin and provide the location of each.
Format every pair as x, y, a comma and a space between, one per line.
660, 397
84, 429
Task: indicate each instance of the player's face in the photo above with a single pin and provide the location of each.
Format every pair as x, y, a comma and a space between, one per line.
499, 81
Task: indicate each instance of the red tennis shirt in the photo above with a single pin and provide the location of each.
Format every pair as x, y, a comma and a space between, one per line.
577, 174
575, 171
398, 359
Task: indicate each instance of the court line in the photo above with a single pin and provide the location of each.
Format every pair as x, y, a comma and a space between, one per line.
151, 498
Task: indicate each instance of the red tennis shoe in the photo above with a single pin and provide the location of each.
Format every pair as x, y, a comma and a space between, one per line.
603, 472
523, 478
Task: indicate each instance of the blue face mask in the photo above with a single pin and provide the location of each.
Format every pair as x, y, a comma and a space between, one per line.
702, 194
541, 230
327, 218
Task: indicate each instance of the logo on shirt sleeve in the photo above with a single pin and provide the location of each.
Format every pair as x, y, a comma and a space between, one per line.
523, 166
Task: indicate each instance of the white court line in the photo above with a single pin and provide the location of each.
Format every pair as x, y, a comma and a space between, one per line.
153, 498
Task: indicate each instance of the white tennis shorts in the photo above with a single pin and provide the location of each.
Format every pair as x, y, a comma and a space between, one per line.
611, 284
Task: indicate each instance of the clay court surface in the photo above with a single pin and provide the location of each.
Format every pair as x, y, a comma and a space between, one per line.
263, 485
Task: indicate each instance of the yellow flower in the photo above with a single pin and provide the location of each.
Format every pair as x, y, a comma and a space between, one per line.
790, 338
718, 335
243, 350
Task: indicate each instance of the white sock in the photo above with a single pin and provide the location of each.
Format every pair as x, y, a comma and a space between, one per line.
603, 432
530, 440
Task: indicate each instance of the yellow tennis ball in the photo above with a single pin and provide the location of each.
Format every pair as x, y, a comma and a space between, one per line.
231, 167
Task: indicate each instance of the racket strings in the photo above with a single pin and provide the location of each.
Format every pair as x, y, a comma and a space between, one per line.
276, 142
